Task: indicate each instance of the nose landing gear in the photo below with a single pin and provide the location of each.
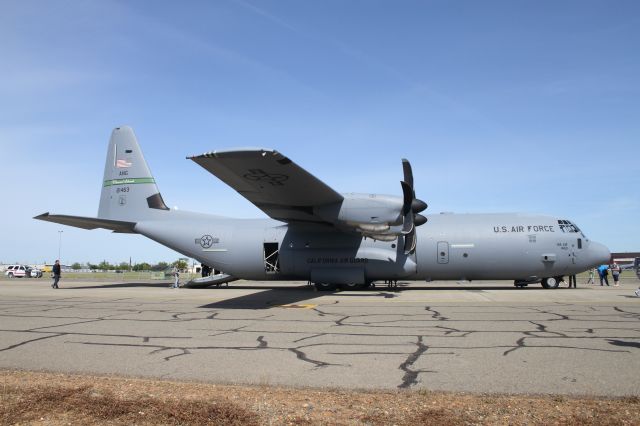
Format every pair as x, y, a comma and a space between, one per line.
551, 282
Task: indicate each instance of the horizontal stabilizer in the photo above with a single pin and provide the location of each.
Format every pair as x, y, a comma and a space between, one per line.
89, 222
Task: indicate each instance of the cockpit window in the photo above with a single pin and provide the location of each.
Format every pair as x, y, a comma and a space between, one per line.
568, 226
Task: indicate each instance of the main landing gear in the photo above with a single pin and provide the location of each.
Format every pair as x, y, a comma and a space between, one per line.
348, 286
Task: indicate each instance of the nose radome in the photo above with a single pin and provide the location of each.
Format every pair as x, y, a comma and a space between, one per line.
599, 253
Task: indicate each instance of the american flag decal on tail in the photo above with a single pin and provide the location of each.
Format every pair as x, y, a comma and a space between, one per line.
123, 164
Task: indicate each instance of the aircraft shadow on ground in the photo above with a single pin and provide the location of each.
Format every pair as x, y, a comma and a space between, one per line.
268, 298
452, 287
377, 288
121, 285
273, 297
286, 297
301, 294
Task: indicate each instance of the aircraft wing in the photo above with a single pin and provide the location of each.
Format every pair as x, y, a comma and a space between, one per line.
271, 181
89, 222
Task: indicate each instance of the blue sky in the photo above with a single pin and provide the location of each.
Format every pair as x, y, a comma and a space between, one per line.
501, 106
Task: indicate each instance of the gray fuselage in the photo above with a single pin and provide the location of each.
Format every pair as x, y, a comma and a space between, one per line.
450, 246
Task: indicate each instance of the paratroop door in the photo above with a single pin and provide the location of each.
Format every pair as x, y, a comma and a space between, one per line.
271, 258
443, 252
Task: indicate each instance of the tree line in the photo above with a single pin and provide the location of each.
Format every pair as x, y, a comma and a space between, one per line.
125, 266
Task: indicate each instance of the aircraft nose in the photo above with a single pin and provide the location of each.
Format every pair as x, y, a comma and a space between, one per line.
599, 253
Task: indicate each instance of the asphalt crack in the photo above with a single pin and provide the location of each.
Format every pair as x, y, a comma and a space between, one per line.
410, 377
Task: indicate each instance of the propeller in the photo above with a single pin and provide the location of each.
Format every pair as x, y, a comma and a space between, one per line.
411, 206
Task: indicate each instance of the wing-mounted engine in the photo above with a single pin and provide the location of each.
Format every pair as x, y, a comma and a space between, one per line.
381, 217
366, 213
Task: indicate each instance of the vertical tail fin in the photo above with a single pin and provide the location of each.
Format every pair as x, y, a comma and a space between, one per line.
129, 191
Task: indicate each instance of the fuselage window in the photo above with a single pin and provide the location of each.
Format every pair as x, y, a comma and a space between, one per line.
579, 243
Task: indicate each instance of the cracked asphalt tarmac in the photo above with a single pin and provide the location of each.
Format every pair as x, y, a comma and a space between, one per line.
479, 337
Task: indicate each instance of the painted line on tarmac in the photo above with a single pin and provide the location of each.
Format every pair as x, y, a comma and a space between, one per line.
292, 306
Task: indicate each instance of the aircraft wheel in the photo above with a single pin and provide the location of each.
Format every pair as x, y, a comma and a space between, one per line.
353, 286
551, 282
325, 286
10, 274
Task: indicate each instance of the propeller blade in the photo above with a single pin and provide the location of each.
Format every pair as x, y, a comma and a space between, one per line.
411, 206
408, 174
407, 192
407, 224
410, 243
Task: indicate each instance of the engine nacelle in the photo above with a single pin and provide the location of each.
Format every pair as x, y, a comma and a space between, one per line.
371, 213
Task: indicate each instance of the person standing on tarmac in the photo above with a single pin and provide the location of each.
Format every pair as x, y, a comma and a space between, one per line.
206, 271
56, 274
615, 272
176, 276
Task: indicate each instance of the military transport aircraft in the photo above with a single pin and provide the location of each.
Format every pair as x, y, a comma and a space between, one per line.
331, 239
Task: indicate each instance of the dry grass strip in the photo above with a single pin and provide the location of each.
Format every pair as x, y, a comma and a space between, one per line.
57, 399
